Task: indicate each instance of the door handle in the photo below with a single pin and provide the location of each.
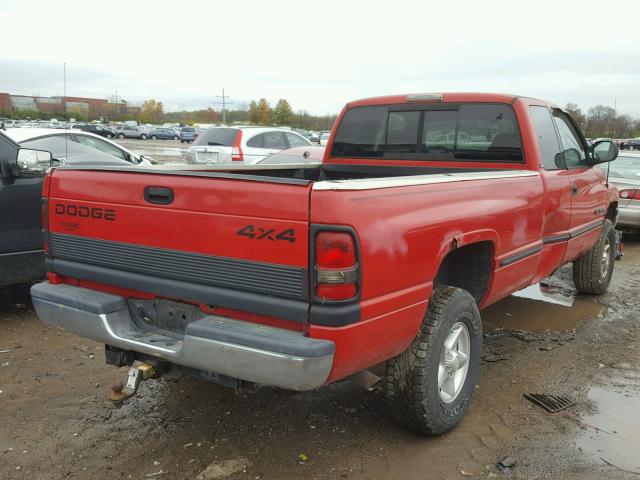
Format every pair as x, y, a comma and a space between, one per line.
574, 189
158, 195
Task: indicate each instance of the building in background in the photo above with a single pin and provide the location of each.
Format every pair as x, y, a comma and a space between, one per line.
80, 108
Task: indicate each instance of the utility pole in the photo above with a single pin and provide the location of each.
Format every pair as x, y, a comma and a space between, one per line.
64, 86
224, 105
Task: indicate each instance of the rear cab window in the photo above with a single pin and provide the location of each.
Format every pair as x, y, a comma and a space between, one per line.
469, 131
223, 137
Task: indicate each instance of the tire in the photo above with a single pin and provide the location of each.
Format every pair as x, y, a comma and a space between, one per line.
109, 136
143, 137
121, 135
411, 381
593, 270
153, 137
176, 138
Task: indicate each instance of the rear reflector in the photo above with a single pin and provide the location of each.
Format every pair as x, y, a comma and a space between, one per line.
337, 292
336, 266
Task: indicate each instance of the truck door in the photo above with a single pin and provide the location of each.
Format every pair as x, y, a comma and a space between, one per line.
557, 208
588, 191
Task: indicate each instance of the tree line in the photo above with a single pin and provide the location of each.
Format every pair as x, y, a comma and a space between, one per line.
604, 121
257, 112
597, 121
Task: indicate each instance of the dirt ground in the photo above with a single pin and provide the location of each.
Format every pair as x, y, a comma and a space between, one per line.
56, 421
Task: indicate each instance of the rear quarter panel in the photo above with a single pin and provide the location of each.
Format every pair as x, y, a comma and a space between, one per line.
404, 235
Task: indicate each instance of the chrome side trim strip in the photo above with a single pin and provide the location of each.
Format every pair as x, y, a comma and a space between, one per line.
391, 182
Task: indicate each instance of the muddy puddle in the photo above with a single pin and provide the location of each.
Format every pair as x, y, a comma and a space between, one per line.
540, 307
611, 435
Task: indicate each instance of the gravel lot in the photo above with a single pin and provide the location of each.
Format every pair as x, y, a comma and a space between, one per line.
56, 421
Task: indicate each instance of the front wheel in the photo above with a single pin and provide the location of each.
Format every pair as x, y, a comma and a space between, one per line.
153, 137
429, 386
121, 135
593, 270
176, 138
143, 137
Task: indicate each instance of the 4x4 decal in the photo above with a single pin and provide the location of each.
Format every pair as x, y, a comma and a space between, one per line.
259, 233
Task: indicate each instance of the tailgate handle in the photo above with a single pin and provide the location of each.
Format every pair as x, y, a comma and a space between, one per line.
158, 195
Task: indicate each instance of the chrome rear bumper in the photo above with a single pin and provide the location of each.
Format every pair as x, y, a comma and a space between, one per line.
248, 351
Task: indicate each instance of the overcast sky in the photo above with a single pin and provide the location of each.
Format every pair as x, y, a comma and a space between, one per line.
321, 54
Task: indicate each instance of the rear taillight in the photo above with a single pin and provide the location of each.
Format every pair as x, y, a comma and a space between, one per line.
236, 152
336, 266
631, 194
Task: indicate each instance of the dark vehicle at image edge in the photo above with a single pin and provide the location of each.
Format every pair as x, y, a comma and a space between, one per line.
21, 175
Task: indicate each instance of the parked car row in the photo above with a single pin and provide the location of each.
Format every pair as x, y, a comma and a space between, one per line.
125, 130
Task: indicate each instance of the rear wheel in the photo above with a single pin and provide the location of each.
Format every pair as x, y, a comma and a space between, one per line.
153, 137
121, 135
143, 137
109, 135
429, 386
593, 270
176, 138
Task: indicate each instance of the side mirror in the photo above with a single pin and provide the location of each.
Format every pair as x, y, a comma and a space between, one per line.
604, 151
32, 162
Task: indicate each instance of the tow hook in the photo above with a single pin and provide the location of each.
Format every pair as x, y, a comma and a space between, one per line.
137, 373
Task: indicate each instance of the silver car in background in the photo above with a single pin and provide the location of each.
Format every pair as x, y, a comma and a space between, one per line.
624, 173
245, 145
77, 147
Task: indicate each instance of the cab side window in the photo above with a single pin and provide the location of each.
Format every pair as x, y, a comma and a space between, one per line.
573, 150
547, 138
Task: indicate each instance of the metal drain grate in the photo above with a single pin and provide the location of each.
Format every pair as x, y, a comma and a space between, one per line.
550, 403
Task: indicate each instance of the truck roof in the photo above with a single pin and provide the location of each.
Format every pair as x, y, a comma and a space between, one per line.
452, 97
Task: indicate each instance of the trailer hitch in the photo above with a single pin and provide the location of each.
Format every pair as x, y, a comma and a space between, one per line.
137, 373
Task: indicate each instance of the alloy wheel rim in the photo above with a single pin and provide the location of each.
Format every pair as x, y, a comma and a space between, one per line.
606, 259
454, 362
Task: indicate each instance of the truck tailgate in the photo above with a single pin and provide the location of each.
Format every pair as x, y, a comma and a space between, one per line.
225, 240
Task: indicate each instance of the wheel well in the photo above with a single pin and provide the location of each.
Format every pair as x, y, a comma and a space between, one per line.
612, 212
468, 267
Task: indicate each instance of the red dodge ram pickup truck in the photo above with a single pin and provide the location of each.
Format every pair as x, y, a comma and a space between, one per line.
425, 209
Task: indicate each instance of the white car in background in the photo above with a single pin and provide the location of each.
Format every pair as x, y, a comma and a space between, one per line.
624, 173
76, 146
324, 138
249, 145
